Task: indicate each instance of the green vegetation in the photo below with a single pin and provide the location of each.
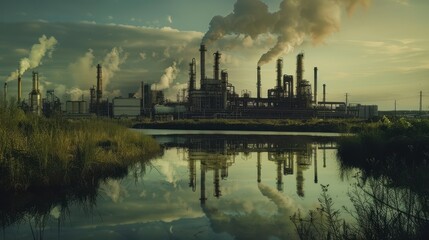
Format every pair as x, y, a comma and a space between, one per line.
37, 153
398, 150
311, 125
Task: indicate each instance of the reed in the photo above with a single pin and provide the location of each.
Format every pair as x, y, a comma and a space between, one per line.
40, 152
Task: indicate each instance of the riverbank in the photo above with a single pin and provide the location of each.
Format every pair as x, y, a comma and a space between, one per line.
280, 125
36, 152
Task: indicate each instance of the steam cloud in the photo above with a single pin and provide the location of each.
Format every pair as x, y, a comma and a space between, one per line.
292, 23
111, 64
167, 78
38, 51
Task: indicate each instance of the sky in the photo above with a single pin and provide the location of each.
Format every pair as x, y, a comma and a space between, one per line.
375, 51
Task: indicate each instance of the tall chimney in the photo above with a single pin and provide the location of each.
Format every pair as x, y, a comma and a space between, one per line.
258, 83
324, 92
192, 75
216, 65
299, 73
99, 83
315, 85
5, 92
279, 73
202, 64
34, 81
19, 88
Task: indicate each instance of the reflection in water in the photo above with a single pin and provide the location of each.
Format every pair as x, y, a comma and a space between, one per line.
217, 153
233, 199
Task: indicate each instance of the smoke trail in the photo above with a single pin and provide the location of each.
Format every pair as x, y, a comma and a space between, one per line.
34, 59
295, 21
111, 64
167, 78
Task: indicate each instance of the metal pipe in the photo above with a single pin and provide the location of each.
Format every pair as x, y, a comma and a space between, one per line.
315, 85
216, 65
258, 82
202, 64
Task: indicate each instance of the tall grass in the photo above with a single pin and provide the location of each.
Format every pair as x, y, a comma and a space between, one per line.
40, 152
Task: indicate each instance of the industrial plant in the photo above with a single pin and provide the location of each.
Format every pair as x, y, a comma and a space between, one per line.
291, 97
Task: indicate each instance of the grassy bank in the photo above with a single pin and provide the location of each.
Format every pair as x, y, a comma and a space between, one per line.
398, 150
312, 125
36, 152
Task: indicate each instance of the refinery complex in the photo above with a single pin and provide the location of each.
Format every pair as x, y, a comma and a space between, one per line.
291, 97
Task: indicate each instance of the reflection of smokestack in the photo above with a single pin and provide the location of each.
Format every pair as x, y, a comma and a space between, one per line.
216, 183
279, 176
216, 65
324, 92
279, 73
203, 63
259, 167
192, 175
315, 85
203, 183
19, 88
258, 83
5, 92
315, 166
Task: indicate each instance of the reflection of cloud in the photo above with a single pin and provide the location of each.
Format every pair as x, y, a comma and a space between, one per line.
284, 203
114, 190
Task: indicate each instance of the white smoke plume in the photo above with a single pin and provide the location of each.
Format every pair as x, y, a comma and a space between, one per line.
295, 21
111, 64
167, 78
34, 59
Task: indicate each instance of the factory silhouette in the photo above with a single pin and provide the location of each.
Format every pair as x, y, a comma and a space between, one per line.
291, 97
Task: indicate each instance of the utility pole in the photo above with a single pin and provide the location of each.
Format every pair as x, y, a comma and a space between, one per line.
421, 102
347, 101
395, 108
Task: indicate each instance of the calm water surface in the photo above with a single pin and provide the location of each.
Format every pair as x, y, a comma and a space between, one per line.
216, 185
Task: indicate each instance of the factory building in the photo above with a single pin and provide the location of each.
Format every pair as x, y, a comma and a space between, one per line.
126, 107
289, 98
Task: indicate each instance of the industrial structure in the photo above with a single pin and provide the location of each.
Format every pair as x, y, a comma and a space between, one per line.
291, 97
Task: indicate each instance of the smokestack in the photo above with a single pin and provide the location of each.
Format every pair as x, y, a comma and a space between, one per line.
5, 92
216, 65
315, 85
258, 82
34, 81
203, 63
192, 75
279, 73
324, 92
19, 88
299, 68
99, 83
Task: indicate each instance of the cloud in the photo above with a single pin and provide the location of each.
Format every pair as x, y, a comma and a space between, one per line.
294, 22
111, 64
170, 74
34, 59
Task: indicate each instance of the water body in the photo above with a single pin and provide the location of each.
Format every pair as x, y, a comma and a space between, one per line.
217, 185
